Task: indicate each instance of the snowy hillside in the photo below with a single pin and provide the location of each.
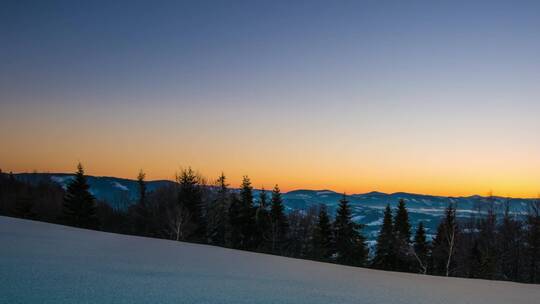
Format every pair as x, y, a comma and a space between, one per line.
46, 263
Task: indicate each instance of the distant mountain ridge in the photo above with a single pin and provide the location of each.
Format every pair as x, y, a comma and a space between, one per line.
118, 192
367, 207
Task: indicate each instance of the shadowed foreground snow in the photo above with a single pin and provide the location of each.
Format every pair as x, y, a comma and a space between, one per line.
46, 263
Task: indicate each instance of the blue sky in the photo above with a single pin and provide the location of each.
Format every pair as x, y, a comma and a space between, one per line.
445, 91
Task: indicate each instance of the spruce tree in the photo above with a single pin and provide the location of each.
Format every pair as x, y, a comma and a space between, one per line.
487, 238
349, 243
421, 249
445, 243
402, 237
79, 207
263, 222
234, 232
322, 236
142, 187
385, 257
279, 225
533, 243
142, 214
247, 215
190, 203
511, 241
402, 227
217, 213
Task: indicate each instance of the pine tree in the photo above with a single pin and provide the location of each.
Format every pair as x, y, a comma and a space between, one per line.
79, 208
385, 257
247, 215
402, 227
510, 243
218, 213
533, 243
402, 237
322, 236
421, 249
142, 214
487, 238
142, 187
234, 232
190, 204
279, 225
349, 243
263, 222
444, 244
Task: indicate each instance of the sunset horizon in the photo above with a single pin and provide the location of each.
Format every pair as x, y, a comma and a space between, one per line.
235, 181
270, 151
355, 98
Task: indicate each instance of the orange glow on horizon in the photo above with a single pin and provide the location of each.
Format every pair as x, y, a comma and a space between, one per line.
348, 183
344, 157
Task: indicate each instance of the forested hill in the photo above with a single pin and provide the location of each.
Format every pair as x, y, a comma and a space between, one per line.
367, 208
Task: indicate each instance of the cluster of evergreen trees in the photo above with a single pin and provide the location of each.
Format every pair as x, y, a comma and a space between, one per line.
489, 247
479, 247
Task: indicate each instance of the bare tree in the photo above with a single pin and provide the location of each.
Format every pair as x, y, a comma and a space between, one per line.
444, 245
451, 239
421, 265
179, 222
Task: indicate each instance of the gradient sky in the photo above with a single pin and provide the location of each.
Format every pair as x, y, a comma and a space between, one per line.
430, 97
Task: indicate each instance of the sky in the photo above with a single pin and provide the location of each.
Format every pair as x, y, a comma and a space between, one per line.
434, 97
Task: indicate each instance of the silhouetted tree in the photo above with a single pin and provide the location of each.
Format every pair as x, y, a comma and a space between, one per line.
279, 225
402, 237
301, 225
421, 249
444, 244
189, 214
79, 208
349, 243
247, 215
322, 236
385, 252
218, 213
234, 233
533, 242
142, 214
487, 243
263, 222
142, 187
510, 245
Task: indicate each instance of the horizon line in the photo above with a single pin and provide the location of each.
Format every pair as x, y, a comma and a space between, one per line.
293, 190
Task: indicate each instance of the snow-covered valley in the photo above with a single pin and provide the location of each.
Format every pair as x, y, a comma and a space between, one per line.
46, 263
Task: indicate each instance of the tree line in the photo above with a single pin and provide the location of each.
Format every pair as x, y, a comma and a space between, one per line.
489, 246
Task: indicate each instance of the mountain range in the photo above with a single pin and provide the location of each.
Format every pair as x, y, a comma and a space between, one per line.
367, 208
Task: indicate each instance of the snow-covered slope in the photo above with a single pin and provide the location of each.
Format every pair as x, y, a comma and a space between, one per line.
46, 263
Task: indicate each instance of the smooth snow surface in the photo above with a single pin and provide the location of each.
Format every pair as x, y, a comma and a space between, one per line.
45, 263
